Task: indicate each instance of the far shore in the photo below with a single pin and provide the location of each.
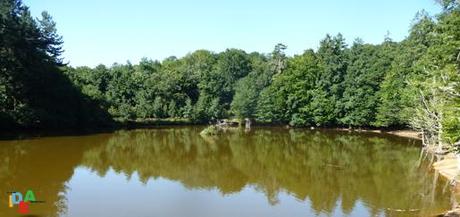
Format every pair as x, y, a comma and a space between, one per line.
155, 123
403, 132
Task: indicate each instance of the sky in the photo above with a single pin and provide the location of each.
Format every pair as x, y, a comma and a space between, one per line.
109, 31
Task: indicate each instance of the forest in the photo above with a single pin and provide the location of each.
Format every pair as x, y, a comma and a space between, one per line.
412, 83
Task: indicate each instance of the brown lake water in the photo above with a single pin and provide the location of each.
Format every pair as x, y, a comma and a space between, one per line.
174, 172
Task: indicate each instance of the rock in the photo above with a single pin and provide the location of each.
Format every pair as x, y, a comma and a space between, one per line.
453, 213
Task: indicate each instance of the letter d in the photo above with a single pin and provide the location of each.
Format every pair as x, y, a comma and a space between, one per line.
16, 197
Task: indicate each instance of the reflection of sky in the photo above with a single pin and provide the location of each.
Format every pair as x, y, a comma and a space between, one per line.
117, 195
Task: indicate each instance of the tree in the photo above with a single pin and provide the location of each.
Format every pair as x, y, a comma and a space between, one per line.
365, 72
288, 98
34, 91
50, 39
217, 86
438, 82
122, 91
333, 56
396, 97
248, 89
278, 58
448, 5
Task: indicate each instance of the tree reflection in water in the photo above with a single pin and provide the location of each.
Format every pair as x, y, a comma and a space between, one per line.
325, 167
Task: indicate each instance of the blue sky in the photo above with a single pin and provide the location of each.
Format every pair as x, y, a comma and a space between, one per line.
108, 31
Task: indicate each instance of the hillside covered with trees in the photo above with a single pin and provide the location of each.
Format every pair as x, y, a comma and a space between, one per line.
414, 82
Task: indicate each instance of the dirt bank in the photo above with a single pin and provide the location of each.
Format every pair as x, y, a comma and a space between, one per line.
406, 133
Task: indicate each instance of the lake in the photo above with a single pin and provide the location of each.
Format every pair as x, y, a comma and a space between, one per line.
268, 171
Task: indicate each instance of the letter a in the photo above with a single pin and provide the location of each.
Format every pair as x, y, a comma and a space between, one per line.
30, 196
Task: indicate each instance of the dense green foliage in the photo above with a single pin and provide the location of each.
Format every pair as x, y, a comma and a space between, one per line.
33, 90
392, 84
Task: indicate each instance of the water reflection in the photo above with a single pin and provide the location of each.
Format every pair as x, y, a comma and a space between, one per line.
309, 172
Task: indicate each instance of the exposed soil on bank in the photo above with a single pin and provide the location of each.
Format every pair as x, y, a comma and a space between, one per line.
407, 133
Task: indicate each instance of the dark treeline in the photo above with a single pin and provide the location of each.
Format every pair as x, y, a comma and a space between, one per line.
393, 84
34, 93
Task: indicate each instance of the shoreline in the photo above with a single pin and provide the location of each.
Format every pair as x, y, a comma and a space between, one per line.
152, 124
